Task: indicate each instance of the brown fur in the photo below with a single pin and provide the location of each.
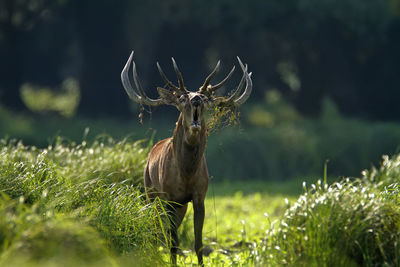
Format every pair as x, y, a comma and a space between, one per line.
177, 171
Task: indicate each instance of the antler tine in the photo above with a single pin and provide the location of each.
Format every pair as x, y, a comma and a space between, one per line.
145, 99
140, 98
168, 82
136, 80
126, 83
235, 99
249, 85
217, 86
180, 78
203, 88
238, 89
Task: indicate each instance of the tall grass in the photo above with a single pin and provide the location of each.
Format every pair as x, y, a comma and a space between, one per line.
349, 223
344, 224
76, 199
82, 204
386, 175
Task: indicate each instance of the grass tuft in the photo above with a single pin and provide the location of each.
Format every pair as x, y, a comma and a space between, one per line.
76, 200
344, 224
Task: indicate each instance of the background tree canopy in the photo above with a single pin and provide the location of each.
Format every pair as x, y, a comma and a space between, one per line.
307, 49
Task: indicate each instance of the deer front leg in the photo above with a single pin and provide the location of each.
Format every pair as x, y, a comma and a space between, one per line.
198, 208
177, 212
174, 233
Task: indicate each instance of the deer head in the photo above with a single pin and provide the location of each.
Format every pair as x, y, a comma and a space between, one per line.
192, 105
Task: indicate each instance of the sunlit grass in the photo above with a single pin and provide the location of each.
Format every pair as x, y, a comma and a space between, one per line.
75, 197
234, 220
74, 204
345, 224
233, 225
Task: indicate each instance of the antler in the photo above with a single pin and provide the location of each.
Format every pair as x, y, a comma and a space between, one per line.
181, 89
249, 86
206, 85
179, 74
140, 98
217, 86
236, 99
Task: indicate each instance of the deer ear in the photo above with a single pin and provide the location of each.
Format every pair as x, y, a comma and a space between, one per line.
168, 97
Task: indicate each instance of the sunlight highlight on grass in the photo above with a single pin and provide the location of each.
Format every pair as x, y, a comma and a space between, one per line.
81, 204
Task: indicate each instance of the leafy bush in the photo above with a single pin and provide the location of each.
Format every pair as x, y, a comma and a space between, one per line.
44, 100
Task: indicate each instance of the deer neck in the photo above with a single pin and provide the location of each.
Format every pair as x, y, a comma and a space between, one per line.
189, 155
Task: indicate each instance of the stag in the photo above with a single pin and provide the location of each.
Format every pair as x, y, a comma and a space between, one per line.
176, 168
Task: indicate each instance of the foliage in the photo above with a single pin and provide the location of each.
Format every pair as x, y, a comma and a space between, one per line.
42, 130
223, 117
386, 175
77, 200
81, 204
16, 125
44, 100
272, 141
345, 224
348, 223
280, 144
306, 49
272, 111
33, 233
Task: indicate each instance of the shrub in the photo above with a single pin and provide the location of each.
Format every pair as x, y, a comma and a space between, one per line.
44, 100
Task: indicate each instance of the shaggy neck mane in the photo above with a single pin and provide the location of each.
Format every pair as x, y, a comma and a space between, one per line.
188, 156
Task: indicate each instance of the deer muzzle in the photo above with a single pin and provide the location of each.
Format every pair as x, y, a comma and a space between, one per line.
196, 118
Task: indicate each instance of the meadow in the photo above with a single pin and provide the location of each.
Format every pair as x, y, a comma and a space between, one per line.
74, 204
298, 176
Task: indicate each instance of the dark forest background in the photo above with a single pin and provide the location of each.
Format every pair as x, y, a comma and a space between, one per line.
314, 55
